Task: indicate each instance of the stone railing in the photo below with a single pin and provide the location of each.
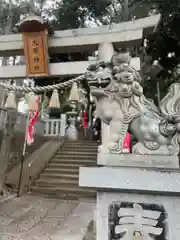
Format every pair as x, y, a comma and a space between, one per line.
55, 127
13, 145
52, 127
22, 121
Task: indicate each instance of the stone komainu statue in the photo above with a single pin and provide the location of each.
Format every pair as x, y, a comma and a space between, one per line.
123, 106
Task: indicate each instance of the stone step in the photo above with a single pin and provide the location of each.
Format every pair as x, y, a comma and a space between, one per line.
85, 142
61, 178
59, 175
69, 165
64, 192
76, 153
59, 196
87, 161
46, 182
74, 158
81, 146
62, 170
64, 197
84, 150
78, 149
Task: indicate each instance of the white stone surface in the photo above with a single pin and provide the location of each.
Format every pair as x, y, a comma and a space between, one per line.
171, 205
131, 179
56, 69
76, 39
132, 160
105, 51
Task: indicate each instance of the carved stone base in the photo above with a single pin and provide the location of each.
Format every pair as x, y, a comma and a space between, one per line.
134, 204
143, 161
114, 210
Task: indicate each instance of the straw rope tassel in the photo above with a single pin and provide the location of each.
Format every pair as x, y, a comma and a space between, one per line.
11, 100
54, 101
74, 93
32, 102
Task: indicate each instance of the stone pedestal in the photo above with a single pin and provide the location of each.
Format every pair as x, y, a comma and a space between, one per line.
141, 161
135, 201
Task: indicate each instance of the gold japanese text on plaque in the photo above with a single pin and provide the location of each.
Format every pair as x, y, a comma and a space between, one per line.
36, 53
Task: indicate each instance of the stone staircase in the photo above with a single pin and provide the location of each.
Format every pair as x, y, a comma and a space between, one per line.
61, 178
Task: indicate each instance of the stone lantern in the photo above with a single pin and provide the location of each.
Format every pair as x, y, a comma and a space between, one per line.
72, 132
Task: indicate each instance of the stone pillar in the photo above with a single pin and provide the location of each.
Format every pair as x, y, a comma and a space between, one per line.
138, 195
63, 124
105, 51
134, 196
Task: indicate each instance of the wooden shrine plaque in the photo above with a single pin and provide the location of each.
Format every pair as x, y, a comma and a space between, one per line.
36, 53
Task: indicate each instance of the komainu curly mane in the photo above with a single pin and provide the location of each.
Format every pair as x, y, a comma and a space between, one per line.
170, 104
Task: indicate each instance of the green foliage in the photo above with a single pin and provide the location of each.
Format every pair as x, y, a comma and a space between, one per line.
167, 38
10, 13
164, 46
68, 14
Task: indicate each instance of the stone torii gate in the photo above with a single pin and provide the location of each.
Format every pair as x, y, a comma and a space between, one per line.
37, 40
68, 41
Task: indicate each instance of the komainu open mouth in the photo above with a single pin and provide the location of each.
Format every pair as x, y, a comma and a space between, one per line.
103, 83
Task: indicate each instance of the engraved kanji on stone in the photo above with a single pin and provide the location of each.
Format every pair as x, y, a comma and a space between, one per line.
137, 223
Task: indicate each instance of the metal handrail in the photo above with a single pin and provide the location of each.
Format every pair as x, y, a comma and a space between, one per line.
61, 141
29, 171
45, 165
